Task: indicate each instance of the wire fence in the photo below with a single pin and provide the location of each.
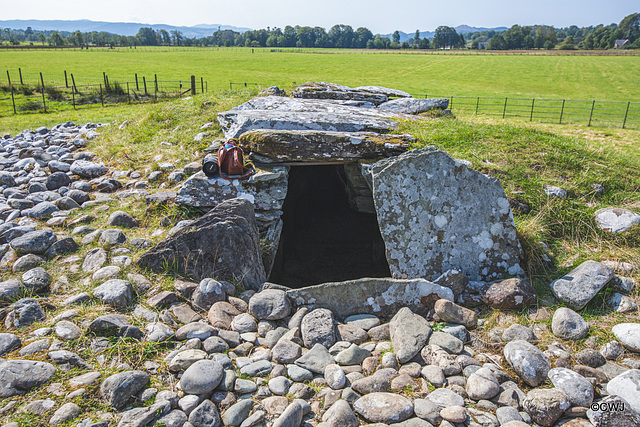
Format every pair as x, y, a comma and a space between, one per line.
625, 115
30, 92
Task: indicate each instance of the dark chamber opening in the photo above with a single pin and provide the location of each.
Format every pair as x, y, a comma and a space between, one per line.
323, 239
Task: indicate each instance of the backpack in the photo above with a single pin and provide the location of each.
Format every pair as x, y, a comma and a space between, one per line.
231, 163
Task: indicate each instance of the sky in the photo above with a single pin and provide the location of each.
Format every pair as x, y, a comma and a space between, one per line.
377, 15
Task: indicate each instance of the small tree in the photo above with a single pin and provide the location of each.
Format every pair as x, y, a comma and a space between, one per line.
416, 39
55, 39
396, 36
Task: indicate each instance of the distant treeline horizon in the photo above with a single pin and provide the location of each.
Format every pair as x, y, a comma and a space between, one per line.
625, 35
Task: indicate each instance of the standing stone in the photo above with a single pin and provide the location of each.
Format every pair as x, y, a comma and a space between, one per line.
581, 284
436, 214
224, 244
569, 325
318, 328
528, 361
409, 333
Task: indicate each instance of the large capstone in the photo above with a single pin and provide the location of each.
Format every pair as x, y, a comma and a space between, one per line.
223, 244
436, 214
313, 146
279, 113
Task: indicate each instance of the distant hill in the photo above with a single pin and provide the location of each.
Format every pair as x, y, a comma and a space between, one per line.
461, 29
120, 28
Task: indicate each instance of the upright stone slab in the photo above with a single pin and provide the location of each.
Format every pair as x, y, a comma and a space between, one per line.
223, 244
436, 214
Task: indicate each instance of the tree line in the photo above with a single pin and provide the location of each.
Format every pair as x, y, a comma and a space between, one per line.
344, 36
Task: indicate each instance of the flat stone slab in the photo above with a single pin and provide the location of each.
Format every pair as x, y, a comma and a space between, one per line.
436, 214
616, 220
380, 297
414, 105
385, 91
581, 284
235, 123
316, 146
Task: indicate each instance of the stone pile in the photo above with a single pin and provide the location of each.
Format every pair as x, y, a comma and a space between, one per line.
405, 351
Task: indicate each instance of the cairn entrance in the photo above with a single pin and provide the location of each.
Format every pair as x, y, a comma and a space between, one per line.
323, 239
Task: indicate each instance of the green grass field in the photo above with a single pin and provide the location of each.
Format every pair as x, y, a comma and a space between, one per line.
612, 78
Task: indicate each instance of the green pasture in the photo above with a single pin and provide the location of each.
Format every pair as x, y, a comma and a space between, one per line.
611, 78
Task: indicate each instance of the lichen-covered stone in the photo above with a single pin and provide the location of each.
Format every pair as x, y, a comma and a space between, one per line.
319, 146
223, 244
382, 297
414, 105
436, 214
349, 119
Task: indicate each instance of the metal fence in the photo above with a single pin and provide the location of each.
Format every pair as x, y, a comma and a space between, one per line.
625, 115
27, 95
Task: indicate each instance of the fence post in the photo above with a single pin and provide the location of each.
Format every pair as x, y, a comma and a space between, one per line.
8, 78
101, 97
66, 81
626, 113
144, 82
591, 115
73, 97
73, 82
193, 85
201, 85
128, 97
451, 104
137, 87
44, 102
155, 78
13, 101
20, 72
230, 86
533, 100
504, 110
104, 79
477, 105
561, 112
